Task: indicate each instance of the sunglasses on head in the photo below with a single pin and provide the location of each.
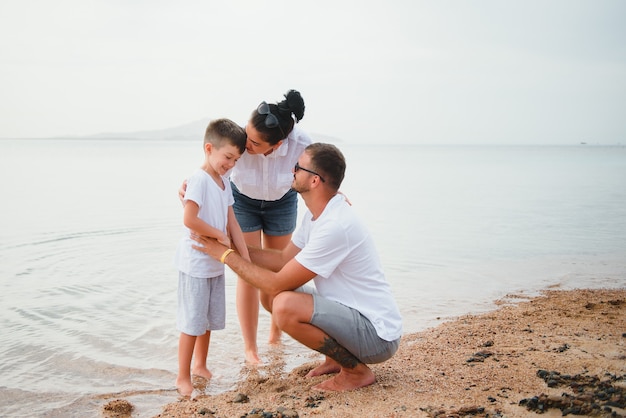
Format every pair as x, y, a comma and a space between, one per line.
271, 121
298, 167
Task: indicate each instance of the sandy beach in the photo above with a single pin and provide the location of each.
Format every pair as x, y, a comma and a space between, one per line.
560, 353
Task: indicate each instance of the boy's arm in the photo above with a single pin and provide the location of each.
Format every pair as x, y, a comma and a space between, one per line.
191, 221
236, 235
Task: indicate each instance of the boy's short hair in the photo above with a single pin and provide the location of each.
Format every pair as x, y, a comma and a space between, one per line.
225, 131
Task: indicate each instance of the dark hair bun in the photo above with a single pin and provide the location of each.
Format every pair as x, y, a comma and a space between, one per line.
293, 103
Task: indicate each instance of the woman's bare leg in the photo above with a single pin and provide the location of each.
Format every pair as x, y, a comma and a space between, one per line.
277, 243
247, 301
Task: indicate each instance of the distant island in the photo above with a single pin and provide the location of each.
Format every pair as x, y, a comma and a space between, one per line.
187, 132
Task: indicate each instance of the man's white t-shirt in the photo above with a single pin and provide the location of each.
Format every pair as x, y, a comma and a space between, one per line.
340, 251
213, 203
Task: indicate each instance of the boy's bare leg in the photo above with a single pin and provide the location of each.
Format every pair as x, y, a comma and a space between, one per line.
292, 311
185, 351
200, 354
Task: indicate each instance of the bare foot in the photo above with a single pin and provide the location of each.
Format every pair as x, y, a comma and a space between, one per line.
184, 387
252, 358
348, 379
202, 372
327, 367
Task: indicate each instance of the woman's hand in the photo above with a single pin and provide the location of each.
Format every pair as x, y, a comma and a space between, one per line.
339, 192
181, 192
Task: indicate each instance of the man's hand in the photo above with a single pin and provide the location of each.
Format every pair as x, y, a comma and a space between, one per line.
209, 246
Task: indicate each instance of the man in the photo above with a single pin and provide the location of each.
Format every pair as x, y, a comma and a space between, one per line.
351, 317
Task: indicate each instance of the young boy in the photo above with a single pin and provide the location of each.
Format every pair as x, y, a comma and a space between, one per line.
208, 211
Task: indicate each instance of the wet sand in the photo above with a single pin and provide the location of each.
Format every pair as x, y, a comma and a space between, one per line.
563, 352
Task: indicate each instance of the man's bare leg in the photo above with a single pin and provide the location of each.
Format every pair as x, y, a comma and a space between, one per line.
292, 311
329, 366
348, 379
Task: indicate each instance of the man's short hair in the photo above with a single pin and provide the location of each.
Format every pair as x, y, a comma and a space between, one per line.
329, 162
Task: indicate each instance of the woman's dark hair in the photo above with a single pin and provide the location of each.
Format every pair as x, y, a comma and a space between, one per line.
282, 111
328, 161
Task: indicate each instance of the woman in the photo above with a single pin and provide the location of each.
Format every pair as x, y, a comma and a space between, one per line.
265, 206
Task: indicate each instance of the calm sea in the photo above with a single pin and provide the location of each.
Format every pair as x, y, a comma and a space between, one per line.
89, 228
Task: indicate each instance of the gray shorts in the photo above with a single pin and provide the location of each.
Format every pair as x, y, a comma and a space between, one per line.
201, 304
351, 330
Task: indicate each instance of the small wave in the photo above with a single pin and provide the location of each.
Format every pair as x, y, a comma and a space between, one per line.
69, 236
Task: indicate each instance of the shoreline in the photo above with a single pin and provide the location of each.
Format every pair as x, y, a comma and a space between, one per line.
547, 352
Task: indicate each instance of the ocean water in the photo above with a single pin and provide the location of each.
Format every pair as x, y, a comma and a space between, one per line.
89, 228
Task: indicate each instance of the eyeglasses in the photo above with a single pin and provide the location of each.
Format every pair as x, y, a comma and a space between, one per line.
297, 167
271, 121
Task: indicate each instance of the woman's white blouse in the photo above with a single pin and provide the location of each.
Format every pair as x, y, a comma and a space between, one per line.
270, 177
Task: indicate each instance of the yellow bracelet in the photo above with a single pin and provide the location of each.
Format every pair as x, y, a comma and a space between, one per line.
223, 257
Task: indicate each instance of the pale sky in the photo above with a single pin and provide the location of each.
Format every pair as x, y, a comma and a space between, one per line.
409, 71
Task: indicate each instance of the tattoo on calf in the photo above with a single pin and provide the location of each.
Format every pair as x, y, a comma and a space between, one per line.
332, 349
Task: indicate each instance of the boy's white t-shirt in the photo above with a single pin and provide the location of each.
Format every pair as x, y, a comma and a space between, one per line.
340, 251
213, 203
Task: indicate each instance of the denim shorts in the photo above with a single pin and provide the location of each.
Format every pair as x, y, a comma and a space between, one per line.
276, 218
